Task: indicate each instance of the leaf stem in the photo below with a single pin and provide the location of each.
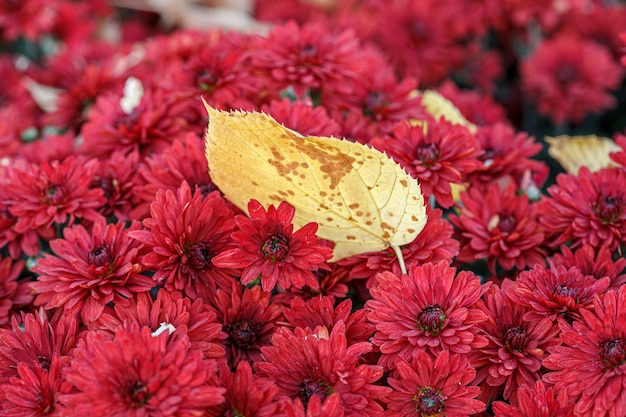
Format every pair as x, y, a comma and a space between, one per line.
398, 253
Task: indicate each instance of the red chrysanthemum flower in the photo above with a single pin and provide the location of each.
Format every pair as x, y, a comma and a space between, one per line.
184, 235
302, 117
311, 60
566, 87
554, 293
598, 263
116, 176
13, 293
321, 311
55, 192
49, 147
431, 308
246, 395
10, 240
536, 401
249, 317
304, 364
590, 365
440, 387
217, 72
437, 155
161, 117
91, 269
34, 341
507, 153
479, 109
515, 350
268, 247
139, 374
35, 391
184, 160
378, 103
589, 208
185, 317
418, 39
433, 244
29, 19
500, 227
91, 81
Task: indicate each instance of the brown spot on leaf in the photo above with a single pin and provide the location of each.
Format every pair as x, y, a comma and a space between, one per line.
354, 206
404, 183
350, 237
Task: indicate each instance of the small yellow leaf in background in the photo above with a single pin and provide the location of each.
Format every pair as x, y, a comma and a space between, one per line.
574, 152
438, 106
361, 199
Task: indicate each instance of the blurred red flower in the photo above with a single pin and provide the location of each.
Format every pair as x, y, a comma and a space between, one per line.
428, 386
566, 87
590, 365
431, 308
267, 247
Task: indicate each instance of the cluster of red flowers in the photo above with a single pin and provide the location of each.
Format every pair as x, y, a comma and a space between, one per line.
129, 286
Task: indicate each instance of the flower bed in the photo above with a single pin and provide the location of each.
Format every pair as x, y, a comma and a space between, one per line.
130, 286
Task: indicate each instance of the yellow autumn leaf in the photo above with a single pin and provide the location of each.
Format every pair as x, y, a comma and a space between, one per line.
574, 152
438, 106
361, 199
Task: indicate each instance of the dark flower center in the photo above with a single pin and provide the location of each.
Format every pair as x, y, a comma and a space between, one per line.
100, 256
138, 395
200, 255
44, 361
429, 402
419, 31
374, 101
127, 121
105, 184
206, 80
507, 224
566, 73
613, 352
562, 291
311, 388
243, 333
206, 189
275, 249
306, 53
515, 339
234, 413
428, 154
55, 195
609, 209
431, 319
